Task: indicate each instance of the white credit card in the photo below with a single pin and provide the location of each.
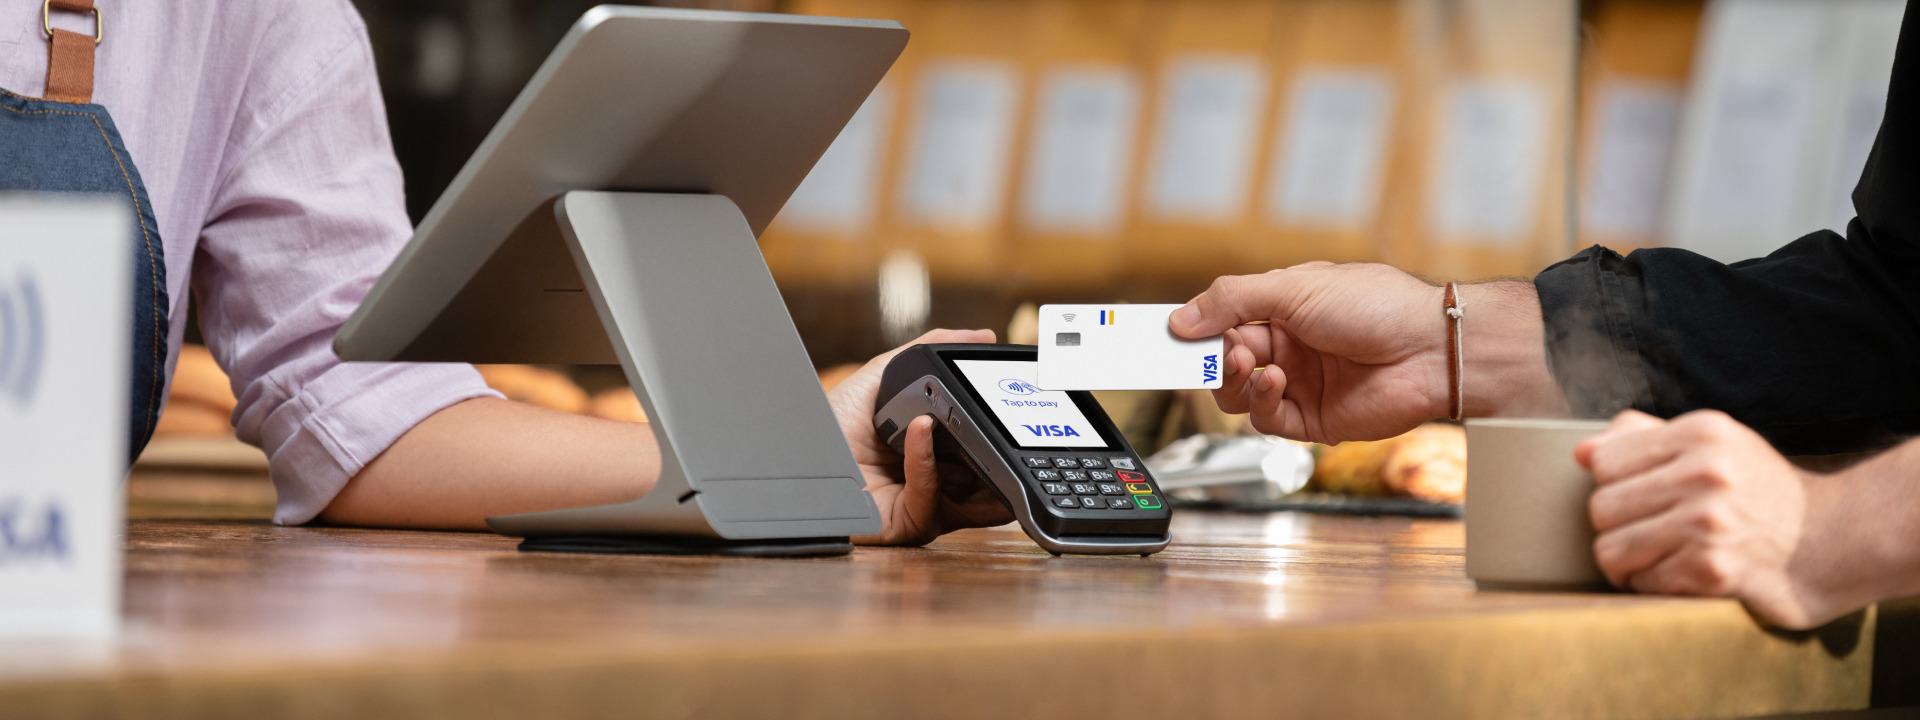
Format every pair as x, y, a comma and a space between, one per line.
1121, 347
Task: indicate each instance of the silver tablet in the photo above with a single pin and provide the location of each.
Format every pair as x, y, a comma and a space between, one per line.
632, 99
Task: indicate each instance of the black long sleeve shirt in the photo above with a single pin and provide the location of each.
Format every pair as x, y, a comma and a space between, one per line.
1816, 346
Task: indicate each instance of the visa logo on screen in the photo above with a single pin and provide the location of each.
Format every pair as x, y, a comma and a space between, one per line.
1051, 430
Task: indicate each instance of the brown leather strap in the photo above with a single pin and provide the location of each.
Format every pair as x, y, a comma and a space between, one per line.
1456, 360
70, 56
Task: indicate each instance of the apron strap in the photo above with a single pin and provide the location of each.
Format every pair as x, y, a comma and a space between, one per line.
70, 54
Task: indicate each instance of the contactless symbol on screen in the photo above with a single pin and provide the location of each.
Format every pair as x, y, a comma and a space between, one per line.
22, 339
1016, 386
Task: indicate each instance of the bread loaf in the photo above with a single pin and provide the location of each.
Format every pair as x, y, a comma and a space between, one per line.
1428, 463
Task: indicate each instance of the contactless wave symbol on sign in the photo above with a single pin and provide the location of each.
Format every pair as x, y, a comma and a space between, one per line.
22, 339
1016, 386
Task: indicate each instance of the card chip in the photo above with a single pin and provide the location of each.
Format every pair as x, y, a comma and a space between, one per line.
1066, 338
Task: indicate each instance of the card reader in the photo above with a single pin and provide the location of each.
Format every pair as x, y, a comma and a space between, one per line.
1053, 456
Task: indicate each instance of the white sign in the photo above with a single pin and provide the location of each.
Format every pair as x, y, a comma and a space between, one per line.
1486, 180
961, 146
838, 195
1752, 168
1786, 98
1329, 158
1083, 135
1203, 157
1872, 30
65, 324
1632, 153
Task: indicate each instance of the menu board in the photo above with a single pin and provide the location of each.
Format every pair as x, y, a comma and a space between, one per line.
1210, 112
1076, 180
1489, 161
961, 147
1331, 155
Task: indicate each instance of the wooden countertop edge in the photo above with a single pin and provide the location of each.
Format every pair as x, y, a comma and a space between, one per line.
1620, 662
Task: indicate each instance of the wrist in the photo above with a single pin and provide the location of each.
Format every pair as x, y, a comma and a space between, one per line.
1842, 558
1860, 542
1505, 352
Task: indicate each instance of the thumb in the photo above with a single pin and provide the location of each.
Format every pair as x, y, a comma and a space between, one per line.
1234, 300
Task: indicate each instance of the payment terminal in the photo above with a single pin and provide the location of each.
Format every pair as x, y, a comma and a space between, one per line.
1053, 456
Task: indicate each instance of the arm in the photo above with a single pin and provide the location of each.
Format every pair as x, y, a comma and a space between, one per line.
1358, 352
488, 457
1702, 505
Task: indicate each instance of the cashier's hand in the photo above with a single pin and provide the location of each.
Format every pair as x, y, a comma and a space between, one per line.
1702, 505
920, 499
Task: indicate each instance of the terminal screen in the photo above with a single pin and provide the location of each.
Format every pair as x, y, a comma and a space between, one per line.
1033, 417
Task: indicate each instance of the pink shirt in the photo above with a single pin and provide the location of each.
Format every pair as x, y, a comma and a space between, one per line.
258, 129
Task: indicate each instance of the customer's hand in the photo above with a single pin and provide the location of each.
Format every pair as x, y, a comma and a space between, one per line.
1358, 351
1702, 505
919, 498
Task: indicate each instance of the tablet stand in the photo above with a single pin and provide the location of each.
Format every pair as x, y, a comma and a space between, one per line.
752, 460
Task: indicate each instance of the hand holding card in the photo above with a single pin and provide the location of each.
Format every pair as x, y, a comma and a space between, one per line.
1122, 347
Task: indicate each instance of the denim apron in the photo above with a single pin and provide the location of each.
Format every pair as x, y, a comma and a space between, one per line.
66, 144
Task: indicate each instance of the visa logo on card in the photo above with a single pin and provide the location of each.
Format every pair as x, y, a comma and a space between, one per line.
1122, 347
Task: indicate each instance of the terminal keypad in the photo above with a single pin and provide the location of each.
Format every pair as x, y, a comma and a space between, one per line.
1086, 482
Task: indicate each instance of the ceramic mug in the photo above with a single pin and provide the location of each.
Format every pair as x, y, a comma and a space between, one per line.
1526, 511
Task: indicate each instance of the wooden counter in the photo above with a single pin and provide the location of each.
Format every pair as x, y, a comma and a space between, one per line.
1245, 615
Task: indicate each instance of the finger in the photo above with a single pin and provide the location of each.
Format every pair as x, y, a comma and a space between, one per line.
919, 503
1626, 421
1272, 411
1641, 496
1630, 452
1236, 370
1694, 569
1234, 300
1258, 340
1631, 549
944, 335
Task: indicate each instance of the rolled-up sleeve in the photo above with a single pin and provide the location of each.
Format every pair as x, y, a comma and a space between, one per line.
308, 212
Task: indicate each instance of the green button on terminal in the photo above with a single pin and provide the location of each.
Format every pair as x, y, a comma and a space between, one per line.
1147, 502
